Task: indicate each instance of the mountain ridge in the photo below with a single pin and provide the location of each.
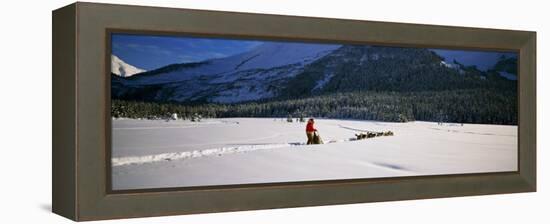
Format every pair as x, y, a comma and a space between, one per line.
287, 71
123, 69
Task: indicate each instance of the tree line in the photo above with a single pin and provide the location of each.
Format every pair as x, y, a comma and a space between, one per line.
458, 106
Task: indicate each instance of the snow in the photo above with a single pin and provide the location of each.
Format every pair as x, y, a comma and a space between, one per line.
251, 84
266, 56
242, 93
174, 116
191, 154
450, 65
275, 54
321, 83
251, 75
508, 76
483, 60
123, 69
156, 154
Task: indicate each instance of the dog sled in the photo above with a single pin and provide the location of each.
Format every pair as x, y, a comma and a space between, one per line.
317, 138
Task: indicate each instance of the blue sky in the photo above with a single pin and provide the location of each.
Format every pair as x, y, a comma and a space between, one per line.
151, 52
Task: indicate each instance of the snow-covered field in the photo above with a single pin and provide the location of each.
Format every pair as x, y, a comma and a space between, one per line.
158, 154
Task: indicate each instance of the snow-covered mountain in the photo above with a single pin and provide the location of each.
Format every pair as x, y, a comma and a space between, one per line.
252, 75
294, 70
483, 60
507, 67
266, 56
123, 69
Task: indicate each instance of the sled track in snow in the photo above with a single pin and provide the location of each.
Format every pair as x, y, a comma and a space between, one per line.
173, 156
121, 161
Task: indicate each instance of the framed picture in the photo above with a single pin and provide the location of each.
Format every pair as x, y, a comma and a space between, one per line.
203, 111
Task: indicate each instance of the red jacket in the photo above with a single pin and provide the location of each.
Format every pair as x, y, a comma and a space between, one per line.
310, 128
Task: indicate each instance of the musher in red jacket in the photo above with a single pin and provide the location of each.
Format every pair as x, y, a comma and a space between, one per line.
310, 131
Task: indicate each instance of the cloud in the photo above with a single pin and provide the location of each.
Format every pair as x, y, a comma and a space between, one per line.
199, 56
186, 58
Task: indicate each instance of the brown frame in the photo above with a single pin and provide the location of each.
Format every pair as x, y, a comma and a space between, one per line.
81, 112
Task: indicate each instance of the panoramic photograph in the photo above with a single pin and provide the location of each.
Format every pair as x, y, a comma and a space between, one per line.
191, 111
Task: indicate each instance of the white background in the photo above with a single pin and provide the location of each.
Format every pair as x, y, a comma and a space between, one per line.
25, 91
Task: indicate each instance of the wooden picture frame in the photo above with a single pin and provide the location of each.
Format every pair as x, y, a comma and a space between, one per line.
81, 118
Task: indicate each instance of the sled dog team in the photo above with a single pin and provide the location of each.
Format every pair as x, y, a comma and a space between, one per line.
313, 136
